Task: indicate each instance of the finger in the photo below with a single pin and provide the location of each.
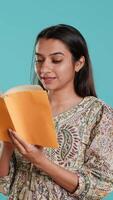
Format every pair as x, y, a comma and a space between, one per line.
18, 145
20, 140
10, 135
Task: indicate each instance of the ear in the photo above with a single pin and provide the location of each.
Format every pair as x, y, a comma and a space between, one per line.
79, 63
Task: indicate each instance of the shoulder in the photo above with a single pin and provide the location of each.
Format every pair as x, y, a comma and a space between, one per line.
102, 131
95, 103
97, 110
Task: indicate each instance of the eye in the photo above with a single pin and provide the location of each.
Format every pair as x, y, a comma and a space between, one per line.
38, 61
56, 61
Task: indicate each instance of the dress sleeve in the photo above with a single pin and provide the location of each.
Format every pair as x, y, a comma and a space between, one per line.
6, 181
96, 174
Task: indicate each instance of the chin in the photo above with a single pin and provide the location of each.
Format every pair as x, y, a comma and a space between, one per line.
50, 88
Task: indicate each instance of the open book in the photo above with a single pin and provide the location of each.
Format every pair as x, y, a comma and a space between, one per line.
26, 110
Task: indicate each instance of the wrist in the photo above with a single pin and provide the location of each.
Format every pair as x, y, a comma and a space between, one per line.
41, 163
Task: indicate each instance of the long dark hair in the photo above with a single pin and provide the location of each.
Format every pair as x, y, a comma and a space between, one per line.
75, 42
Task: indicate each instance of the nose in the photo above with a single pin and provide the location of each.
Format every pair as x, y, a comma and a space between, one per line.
43, 67
46, 66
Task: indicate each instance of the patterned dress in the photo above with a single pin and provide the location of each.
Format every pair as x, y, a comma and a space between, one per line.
85, 136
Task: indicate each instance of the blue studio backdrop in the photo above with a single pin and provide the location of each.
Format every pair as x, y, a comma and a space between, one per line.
20, 21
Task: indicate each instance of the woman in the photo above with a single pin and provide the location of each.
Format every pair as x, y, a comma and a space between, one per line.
82, 166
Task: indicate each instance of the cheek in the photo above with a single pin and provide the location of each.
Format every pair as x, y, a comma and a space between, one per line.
66, 73
65, 69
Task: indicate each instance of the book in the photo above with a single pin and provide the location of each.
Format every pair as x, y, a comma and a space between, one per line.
26, 110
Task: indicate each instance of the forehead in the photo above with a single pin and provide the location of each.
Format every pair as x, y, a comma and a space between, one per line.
49, 46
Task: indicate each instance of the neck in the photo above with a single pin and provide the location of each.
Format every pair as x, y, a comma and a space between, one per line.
61, 97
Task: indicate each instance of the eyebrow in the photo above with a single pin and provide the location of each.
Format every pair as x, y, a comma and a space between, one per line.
51, 54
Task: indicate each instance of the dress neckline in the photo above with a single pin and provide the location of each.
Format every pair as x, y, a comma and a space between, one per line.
82, 102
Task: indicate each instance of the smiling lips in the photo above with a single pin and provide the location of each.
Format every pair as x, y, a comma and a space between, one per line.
48, 79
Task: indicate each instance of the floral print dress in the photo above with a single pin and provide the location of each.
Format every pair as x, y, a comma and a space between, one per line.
85, 136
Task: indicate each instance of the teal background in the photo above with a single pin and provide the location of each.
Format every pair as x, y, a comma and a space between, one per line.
20, 21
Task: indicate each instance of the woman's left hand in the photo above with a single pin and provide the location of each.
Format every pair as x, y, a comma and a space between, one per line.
33, 153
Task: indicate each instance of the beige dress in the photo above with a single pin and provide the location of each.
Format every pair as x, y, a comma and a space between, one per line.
85, 136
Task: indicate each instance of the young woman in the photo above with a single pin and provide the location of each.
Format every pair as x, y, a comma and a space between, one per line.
82, 166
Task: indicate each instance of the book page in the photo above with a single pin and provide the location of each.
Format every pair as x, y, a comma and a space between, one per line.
21, 88
5, 121
31, 115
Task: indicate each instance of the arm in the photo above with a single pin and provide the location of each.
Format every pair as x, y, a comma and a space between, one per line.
96, 174
61, 176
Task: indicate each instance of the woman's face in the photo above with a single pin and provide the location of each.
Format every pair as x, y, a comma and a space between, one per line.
54, 64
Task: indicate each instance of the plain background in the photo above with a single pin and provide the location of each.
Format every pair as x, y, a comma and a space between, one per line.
20, 21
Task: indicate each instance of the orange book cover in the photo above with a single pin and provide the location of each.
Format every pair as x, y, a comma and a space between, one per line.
26, 110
